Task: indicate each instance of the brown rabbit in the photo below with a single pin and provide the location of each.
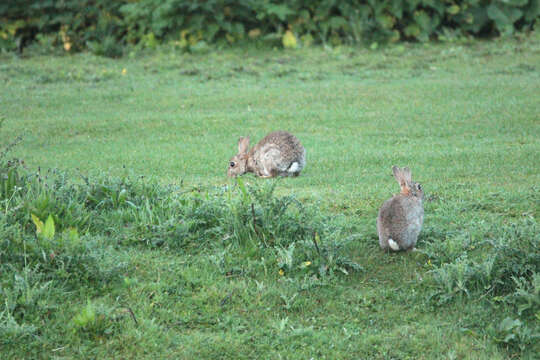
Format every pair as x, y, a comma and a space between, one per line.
279, 153
400, 218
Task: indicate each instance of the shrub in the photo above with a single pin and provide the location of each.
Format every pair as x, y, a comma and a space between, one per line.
104, 26
502, 267
490, 265
74, 22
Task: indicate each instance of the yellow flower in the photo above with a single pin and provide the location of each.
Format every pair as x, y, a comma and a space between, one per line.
124, 71
289, 40
305, 264
281, 272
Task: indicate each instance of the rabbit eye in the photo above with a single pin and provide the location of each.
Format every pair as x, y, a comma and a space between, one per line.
232, 164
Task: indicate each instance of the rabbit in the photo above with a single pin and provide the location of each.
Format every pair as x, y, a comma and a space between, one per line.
279, 153
400, 218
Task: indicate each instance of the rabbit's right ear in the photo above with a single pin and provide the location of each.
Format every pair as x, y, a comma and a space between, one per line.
406, 173
243, 145
401, 177
397, 174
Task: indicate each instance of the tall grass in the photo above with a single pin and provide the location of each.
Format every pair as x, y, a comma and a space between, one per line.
58, 234
498, 264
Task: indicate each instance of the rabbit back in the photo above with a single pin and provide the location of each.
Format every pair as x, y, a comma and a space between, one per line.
279, 153
399, 222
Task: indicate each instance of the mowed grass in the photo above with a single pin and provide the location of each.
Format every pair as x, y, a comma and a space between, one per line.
463, 116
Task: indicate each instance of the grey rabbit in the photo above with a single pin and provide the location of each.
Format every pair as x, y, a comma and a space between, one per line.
400, 218
278, 153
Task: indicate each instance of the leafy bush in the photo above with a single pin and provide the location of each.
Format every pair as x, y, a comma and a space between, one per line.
74, 22
516, 335
501, 266
489, 265
104, 26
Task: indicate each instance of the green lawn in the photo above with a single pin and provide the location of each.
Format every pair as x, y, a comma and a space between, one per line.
465, 117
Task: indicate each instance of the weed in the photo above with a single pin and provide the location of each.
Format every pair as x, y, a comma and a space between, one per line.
502, 266
94, 320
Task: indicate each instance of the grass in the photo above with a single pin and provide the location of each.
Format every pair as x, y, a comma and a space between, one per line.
462, 116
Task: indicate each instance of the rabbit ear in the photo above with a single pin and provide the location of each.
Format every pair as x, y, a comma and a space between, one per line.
401, 177
407, 176
397, 172
243, 145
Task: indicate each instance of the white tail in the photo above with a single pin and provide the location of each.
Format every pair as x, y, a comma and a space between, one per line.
294, 167
393, 245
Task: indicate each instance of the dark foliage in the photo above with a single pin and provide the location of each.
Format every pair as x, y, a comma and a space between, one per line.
106, 26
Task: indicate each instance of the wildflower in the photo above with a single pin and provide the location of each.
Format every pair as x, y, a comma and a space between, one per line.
281, 272
289, 40
124, 71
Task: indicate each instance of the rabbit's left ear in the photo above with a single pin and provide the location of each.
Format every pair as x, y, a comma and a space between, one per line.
243, 145
398, 174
